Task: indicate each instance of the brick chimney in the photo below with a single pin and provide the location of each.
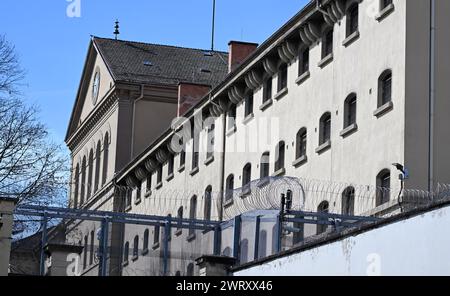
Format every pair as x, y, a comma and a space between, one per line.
238, 52
189, 94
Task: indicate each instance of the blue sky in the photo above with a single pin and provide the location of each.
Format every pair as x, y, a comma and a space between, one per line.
52, 46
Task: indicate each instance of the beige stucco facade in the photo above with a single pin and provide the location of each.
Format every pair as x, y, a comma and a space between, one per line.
396, 39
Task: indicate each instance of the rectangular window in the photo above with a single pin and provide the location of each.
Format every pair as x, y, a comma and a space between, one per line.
304, 62
249, 104
183, 156
385, 3
149, 182
159, 174
282, 77
267, 89
210, 144
170, 165
232, 117
157, 230
327, 44
195, 147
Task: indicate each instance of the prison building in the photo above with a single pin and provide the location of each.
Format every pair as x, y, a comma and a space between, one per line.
340, 93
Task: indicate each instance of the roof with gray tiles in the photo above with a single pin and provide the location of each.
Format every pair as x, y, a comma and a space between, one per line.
138, 62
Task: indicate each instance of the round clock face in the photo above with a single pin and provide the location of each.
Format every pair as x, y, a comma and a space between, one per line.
95, 87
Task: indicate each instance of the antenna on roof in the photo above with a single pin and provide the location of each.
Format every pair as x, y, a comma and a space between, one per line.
116, 27
213, 25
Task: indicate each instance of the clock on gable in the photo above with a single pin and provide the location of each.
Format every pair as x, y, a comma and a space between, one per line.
95, 87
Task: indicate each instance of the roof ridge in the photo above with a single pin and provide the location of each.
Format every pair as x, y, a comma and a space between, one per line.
162, 45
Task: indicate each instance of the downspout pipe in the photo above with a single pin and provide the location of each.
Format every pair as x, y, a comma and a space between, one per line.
141, 96
432, 94
222, 166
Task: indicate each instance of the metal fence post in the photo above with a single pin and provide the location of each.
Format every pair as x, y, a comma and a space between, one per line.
257, 228
43, 243
217, 240
104, 247
167, 230
237, 237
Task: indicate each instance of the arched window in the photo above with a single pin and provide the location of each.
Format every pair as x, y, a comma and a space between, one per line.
246, 176
126, 252
244, 251
105, 158
325, 128
97, 166
193, 213
208, 204
249, 104
324, 209
146, 240
227, 252
230, 187
83, 180
352, 19
85, 251
350, 110
348, 201
385, 88
90, 171
156, 232
327, 43
262, 245
264, 166
136, 247
91, 249
279, 156
282, 77
77, 186
383, 187
190, 270
180, 223
301, 139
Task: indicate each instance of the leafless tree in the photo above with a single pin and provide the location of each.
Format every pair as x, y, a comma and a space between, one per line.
11, 74
33, 169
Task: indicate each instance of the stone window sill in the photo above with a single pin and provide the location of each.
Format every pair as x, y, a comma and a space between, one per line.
322, 148
209, 160
228, 202
326, 60
349, 130
159, 185
246, 191
181, 168
385, 12
231, 130
281, 93
263, 182
155, 246
178, 232
248, 118
384, 109
137, 201
351, 38
299, 161
194, 171
148, 193
170, 177
128, 208
145, 252
303, 77
134, 258
280, 172
190, 237
125, 263
266, 104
